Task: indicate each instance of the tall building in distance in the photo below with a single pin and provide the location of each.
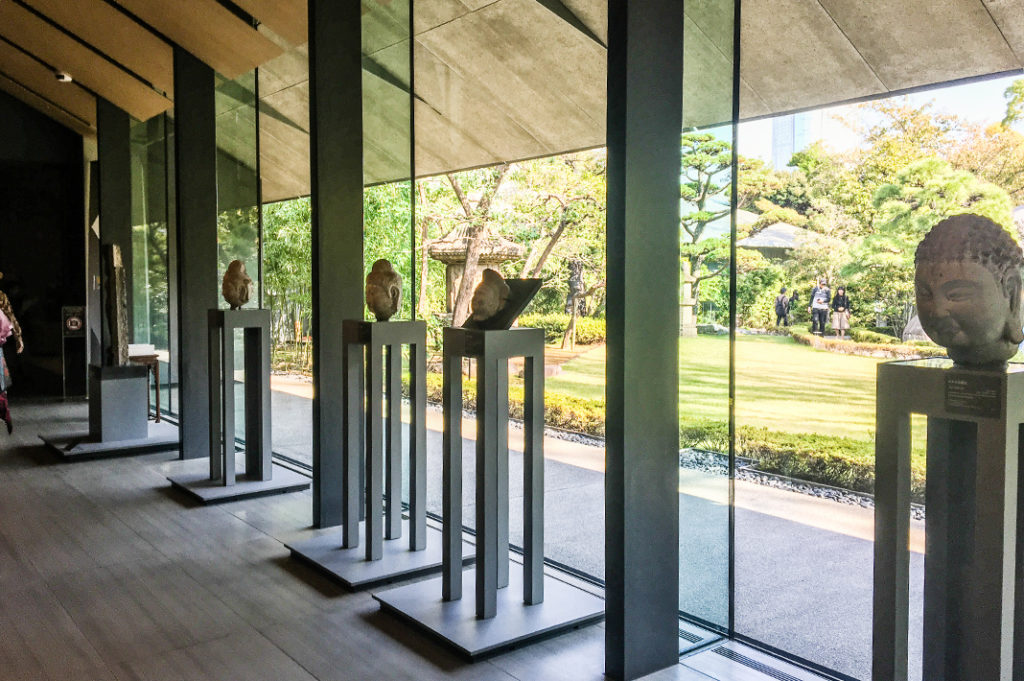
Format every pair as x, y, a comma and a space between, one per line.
794, 133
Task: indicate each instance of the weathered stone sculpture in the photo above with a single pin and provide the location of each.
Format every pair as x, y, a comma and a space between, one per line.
968, 286
236, 286
383, 290
489, 296
115, 302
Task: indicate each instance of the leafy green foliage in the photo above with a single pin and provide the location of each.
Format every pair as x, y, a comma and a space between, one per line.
882, 265
589, 330
706, 168
868, 336
387, 233
1014, 95
889, 347
287, 271
757, 284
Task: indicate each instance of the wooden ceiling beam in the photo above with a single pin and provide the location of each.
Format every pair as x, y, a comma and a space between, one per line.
19, 91
59, 50
115, 34
209, 31
287, 18
28, 72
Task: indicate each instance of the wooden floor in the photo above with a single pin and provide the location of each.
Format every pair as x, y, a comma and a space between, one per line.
107, 574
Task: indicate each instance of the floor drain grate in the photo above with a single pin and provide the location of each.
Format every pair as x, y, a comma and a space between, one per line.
756, 665
690, 636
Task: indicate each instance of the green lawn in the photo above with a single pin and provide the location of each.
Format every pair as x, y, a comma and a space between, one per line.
780, 384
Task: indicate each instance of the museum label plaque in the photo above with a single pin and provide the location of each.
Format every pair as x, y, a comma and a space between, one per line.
973, 394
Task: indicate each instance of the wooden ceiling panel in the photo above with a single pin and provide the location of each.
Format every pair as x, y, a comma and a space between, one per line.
36, 77
44, 106
287, 18
115, 34
54, 47
209, 31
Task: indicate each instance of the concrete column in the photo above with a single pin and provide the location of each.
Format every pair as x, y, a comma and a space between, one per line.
645, 62
195, 163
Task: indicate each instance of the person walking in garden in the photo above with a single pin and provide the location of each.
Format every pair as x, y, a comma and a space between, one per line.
840, 312
782, 308
821, 296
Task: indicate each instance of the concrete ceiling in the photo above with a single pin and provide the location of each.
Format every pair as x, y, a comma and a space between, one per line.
119, 50
495, 79
514, 79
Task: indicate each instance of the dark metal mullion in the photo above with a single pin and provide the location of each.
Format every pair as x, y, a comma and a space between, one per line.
259, 193
412, 160
733, 199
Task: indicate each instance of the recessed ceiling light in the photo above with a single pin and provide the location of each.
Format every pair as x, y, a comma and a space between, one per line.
62, 76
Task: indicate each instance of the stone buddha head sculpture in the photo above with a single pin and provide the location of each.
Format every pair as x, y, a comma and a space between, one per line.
489, 296
968, 288
383, 290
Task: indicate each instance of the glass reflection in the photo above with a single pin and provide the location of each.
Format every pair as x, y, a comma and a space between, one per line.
150, 281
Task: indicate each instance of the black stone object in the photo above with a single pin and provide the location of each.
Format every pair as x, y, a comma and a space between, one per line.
521, 292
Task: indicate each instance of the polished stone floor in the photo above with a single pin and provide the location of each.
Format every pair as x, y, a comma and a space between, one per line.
105, 573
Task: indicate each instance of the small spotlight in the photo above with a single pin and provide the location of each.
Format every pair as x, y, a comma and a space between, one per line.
62, 76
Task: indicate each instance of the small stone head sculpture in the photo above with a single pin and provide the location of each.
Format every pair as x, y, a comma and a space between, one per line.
968, 286
489, 296
236, 286
383, 290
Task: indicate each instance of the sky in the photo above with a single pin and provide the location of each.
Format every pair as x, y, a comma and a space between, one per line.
978, 102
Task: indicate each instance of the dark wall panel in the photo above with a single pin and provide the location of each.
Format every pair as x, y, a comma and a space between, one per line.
42, 243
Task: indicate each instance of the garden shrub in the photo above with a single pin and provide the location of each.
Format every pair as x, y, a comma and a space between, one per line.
826, 459
589, 330
577, 414
866, 336
893, 350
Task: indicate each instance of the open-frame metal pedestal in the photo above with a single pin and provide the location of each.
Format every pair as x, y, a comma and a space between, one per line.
509, 609
972, 564
373, 454
261, 477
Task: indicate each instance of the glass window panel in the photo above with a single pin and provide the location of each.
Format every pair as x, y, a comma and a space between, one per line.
150, 262
477, 110
706, 233
238, 203
287, 248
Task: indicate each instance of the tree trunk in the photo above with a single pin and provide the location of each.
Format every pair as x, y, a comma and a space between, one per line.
474, 237
460, 313
570, 331
562, 224
423, 306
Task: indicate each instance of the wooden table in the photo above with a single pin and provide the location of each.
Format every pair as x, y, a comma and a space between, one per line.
153, 363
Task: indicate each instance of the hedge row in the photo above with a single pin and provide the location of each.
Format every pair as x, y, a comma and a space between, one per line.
560, 411
896, 351
826, 459
867, 336
588, 329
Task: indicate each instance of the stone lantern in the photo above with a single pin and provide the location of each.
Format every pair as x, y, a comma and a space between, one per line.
451, 250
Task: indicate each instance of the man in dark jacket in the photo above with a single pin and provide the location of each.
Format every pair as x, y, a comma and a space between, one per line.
821, 296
